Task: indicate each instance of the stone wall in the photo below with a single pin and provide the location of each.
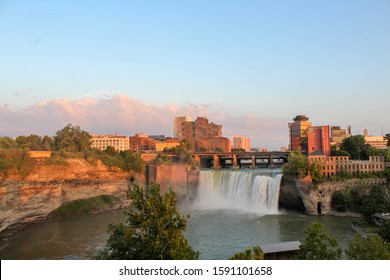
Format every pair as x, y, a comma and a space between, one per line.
317, 198
180, 177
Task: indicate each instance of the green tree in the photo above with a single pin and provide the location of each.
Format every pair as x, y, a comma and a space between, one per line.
304, 142
47, 143
7, 142
296, 164
249, 254
72, 139
33, 142
370, 248
335, 151
356, 146
153, 229
316, 171
132, 161
318, 245
341, 201
385, 231
376, 201
387, 136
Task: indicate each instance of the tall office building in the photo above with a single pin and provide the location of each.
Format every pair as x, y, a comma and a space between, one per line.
178, 126
205, 135
297, 130
318, 140
240, 142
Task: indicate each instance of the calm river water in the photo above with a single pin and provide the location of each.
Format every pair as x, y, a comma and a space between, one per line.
216, 234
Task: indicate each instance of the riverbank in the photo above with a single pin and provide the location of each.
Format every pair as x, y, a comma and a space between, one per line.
73, 210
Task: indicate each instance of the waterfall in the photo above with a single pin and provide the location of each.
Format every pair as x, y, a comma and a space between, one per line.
251, 191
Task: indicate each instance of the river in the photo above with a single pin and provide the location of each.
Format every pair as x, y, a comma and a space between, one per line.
216, 234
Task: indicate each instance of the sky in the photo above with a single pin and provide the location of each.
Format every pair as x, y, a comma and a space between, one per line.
131, 66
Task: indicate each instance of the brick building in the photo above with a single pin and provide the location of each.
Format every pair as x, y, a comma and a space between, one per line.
214, 144
205, 135
178, 126
167, 144
336, 165
318, 140
141, 142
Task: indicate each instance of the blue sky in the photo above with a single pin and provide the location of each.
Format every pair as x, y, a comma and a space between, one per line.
248, 65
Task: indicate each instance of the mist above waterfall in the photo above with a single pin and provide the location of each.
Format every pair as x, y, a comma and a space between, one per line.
249, 191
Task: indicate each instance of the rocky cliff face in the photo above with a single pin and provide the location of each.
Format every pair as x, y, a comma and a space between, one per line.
49, 186
317, 198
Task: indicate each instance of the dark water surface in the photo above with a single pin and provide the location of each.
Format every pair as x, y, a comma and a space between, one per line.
216, 234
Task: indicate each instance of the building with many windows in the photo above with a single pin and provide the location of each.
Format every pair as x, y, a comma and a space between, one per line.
240, 142
205, 135
378, 142
101, 142
141, 142
337, 165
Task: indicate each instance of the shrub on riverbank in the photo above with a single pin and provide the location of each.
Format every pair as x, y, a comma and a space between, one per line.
86, 206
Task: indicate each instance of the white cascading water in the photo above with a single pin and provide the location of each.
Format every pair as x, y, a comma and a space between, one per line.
244, 190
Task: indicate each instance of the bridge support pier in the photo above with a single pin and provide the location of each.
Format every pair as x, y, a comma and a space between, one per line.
270, 161
253, 161
217, 162
235, 162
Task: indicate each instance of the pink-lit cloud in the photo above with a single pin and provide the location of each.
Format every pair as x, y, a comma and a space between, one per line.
124, 115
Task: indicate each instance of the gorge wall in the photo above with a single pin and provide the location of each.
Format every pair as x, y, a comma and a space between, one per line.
50, 186
314, 199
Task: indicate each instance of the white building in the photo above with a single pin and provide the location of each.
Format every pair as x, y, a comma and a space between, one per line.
119, 143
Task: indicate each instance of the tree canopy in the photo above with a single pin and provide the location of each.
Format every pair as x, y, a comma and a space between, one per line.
318, 245
370, 248
296, 165
153, 229
356, 146
249, 254
72, 139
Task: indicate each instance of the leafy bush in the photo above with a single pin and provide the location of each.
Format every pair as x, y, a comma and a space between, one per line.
85, 206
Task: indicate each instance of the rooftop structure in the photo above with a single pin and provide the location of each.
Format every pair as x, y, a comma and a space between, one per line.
281, 251
298, 130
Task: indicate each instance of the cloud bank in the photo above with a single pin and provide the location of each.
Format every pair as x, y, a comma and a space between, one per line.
124, 115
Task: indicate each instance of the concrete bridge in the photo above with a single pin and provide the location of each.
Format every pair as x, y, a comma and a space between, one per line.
240, 159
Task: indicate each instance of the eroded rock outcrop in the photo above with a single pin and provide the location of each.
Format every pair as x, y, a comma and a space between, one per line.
50, 186
317, 198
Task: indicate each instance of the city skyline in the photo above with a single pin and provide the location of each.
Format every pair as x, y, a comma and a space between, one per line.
127, 67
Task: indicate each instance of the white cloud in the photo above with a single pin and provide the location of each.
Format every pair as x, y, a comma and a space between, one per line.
126, 116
